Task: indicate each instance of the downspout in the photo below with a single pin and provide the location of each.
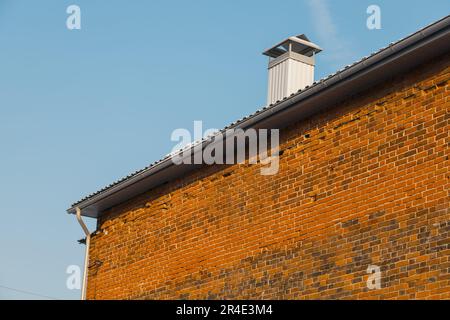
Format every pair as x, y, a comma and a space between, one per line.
86, 255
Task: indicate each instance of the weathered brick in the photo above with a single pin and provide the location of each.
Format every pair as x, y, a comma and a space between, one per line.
366, 182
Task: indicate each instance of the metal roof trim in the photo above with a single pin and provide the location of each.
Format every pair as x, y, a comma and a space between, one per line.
359, 68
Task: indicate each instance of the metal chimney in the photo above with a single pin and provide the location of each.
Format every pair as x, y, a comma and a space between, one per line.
291, 67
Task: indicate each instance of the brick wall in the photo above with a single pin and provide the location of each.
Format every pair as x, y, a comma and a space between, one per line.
365, 183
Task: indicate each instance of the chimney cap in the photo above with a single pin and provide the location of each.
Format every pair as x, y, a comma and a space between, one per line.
299, 44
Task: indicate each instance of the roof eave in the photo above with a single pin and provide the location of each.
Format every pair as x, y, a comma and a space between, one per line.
423, 45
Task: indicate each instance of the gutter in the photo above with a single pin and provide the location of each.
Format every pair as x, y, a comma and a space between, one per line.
403, 55
86, 254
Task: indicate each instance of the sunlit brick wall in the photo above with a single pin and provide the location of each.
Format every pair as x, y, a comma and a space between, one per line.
365, 183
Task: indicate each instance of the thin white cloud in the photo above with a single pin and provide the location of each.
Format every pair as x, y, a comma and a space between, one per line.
337, 50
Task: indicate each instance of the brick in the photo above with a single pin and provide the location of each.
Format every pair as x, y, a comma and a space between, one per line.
365, 182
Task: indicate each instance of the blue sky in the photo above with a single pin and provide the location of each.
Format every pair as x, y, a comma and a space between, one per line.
80, 109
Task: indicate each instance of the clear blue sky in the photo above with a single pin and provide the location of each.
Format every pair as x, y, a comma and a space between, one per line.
80, 109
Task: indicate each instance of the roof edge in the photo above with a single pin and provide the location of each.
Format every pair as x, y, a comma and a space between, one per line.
413, 49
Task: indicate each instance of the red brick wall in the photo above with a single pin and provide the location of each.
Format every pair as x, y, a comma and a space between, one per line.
365, 183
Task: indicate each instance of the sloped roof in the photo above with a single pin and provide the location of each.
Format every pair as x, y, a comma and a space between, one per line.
397, 57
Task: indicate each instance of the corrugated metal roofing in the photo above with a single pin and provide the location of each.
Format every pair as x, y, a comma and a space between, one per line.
268, 109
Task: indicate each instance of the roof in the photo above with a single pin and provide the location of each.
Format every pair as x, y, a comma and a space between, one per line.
419, 47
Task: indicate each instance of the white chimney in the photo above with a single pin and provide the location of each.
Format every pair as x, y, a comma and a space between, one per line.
291, 67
